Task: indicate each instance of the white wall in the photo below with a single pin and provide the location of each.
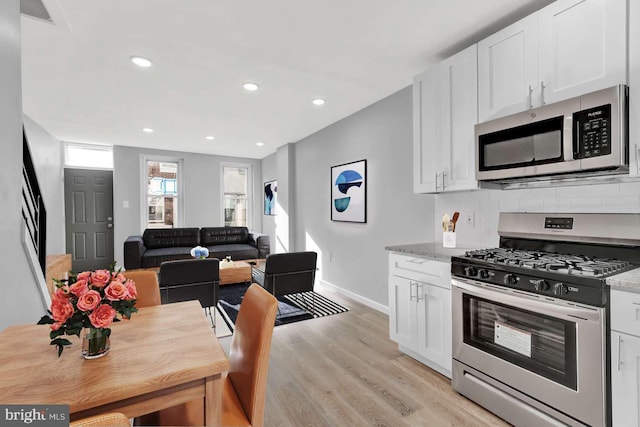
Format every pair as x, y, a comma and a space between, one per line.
202, 191
19, 296
46, 152
486, 205
381, 134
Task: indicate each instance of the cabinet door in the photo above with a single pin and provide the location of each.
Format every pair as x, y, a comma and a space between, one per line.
625, 379
582, 47
402, 311
427, 174
459, 109
508, 70
434, 324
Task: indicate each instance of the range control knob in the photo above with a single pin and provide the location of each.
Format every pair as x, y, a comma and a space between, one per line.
483, 274
542, 286
471, 271
560, 289
510, 279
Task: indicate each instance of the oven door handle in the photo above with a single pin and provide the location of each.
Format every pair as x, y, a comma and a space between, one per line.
507, 296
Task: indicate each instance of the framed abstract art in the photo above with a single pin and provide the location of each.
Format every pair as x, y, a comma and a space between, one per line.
270, 197
349, 192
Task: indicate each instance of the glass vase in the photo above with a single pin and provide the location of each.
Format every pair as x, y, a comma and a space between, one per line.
95, 342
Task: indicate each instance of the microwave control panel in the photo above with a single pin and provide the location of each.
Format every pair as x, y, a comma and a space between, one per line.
593, 132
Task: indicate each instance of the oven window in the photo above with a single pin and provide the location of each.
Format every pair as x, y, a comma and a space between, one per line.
527, 145
533, 341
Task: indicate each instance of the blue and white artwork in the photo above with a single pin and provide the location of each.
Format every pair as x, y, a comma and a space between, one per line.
349, 192
270, 197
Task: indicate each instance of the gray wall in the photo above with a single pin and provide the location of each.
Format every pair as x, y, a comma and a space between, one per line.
270, 173
19, 294
202, 191
382, 134
280, 166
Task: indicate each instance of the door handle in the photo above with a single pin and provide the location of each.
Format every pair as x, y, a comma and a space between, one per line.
530, 100
418, 288
109, 219
542, 88
411, 290
443, 175
109, 225
437, 175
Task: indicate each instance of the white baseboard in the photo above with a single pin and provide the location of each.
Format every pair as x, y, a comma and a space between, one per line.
366, 301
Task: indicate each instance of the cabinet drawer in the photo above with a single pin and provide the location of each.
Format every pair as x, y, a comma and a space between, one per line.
625, 312
425, 270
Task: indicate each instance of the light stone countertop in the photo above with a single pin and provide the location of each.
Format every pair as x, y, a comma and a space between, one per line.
433, 250
629, 279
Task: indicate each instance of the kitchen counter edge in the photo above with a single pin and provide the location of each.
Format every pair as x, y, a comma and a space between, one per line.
627, 281
433, 251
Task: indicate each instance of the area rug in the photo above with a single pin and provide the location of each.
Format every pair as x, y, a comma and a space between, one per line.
291, 308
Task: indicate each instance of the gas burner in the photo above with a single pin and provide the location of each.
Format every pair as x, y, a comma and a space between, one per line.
577, 265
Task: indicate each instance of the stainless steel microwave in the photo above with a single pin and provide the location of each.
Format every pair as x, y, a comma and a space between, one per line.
583, 135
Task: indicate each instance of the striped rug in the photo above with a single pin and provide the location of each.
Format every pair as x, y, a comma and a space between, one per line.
291, 308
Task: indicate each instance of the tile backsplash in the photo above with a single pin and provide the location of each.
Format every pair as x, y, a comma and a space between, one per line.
486, 205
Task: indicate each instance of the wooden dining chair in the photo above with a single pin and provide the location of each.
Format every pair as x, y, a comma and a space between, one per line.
113, 419
146, 286
244, 389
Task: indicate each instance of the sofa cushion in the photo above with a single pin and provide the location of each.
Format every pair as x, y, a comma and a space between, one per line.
223, 235
171, 237
236, 251
155, 257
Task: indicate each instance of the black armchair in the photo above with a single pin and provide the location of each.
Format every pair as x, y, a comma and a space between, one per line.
190, 279
289, 273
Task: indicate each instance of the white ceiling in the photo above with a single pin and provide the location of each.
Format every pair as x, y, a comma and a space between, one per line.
79, 84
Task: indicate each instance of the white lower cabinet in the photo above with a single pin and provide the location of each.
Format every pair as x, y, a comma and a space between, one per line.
625, 358
420, 310
625, 379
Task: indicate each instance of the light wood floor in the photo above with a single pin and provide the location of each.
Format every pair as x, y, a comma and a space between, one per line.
343, 370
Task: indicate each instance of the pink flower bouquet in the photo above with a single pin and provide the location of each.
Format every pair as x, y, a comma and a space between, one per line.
89, 300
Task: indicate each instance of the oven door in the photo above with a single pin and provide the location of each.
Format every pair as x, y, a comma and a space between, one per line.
551, 352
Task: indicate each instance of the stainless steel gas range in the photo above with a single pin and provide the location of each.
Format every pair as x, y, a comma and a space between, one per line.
530, 318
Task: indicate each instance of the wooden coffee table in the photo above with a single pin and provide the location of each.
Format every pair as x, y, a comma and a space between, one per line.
235, 272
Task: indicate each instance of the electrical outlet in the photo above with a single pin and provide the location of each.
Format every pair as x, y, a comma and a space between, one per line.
469, 219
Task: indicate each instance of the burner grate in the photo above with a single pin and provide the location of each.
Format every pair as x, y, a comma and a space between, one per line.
577, 265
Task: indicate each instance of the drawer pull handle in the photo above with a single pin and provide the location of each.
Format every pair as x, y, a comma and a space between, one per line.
619, 356
635, 303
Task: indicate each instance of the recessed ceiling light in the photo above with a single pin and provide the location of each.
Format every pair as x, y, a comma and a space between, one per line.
250, 86
141, 62
318, 101
147, 130
259, 144
210, 138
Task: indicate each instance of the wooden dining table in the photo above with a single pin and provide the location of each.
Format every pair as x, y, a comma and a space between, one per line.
164, 355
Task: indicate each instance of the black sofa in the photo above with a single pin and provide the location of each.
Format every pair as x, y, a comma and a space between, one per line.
166, 244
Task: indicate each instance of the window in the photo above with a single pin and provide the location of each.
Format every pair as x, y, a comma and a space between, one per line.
236, 197
162, 194
88, 156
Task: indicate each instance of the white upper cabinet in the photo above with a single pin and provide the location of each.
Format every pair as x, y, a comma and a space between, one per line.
566, 49
444, 114
507, 70
426, 131
459, 109
582, 47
